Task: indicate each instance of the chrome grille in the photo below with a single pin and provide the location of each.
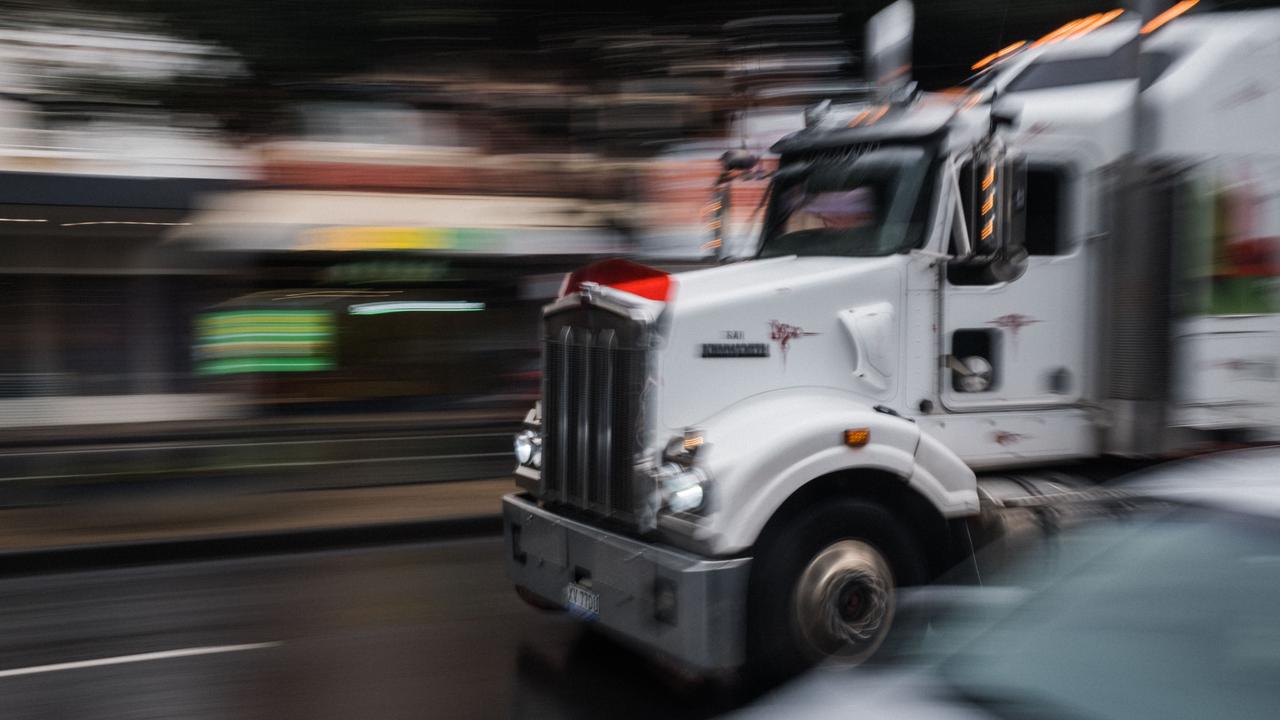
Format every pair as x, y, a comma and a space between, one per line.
593, 375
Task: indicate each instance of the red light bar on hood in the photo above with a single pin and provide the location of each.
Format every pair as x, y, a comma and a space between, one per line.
642, 280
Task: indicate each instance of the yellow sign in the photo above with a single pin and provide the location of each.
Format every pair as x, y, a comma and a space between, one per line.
346, 239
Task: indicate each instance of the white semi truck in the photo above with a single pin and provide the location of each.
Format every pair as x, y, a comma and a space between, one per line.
1074, 257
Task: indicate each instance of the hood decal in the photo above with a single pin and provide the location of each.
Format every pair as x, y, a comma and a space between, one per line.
1013, 322
783, 334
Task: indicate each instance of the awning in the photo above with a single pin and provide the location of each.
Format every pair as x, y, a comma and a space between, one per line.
329, 221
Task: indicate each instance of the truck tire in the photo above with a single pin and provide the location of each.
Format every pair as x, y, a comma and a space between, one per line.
822, 586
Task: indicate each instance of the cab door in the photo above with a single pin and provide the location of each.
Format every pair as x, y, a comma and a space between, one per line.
1023, 343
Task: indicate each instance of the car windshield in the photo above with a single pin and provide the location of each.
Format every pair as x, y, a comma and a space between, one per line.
873, 204
1169, 618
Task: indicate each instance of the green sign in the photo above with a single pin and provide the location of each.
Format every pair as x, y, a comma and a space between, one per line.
255, 341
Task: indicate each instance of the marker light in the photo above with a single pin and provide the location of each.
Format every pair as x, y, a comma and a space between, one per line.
1158, 21
1063, 31
1097, 23
1002, 52
857, 437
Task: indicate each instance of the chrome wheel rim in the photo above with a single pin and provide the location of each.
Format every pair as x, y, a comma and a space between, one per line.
844, 602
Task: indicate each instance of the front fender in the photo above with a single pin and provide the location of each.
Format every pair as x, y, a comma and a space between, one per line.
762, 450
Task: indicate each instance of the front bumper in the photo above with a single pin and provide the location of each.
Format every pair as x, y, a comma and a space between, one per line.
704, 629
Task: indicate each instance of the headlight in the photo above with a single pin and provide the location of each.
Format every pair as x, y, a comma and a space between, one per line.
524, 446
683, 488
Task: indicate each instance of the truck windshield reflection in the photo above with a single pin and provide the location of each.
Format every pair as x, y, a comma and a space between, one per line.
861, 205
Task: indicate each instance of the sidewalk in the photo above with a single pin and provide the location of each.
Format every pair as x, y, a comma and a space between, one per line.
321, 423
208, 517
70, 465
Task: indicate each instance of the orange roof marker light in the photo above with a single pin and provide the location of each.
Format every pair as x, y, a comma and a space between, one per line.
1063, 31
870, 115
1158, 21
1079, 27
1101, 20
1002, 52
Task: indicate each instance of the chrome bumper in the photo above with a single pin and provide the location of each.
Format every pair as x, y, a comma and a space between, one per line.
681, 606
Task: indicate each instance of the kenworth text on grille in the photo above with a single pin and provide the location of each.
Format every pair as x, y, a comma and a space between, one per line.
955, 297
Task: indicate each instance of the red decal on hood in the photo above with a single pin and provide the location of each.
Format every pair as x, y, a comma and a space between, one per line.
783, 334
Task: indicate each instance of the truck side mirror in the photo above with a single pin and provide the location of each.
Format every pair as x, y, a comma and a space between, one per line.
1009, 260
1013, 241
993, 189
988, 205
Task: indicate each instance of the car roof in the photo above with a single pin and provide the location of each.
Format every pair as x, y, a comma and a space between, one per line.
1243, 481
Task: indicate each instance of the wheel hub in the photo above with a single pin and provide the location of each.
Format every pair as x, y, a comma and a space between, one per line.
844, 601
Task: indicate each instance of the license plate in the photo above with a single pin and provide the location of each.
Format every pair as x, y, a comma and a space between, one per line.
581, 602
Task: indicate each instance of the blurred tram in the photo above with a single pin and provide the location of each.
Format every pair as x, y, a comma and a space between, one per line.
389, 343
380, 328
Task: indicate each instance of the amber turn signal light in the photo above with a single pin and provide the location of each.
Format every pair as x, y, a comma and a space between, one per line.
857, 437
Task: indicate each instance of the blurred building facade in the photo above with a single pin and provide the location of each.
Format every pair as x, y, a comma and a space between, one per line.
424, 193
474, 164
96, 313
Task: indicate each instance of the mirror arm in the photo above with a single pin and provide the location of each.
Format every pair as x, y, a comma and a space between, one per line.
964, 247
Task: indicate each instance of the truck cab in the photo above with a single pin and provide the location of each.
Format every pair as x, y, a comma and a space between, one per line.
739, 464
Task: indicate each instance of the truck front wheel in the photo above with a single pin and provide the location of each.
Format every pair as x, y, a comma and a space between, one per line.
823, 586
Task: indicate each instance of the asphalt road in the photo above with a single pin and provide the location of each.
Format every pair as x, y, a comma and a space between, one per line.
410, 631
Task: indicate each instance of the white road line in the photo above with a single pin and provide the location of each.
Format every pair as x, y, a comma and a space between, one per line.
141, 657
262, 466
268, 443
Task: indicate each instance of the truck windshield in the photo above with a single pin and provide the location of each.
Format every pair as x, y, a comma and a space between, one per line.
874, 204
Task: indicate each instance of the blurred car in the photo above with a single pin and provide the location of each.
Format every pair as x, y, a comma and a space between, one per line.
1160, 603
